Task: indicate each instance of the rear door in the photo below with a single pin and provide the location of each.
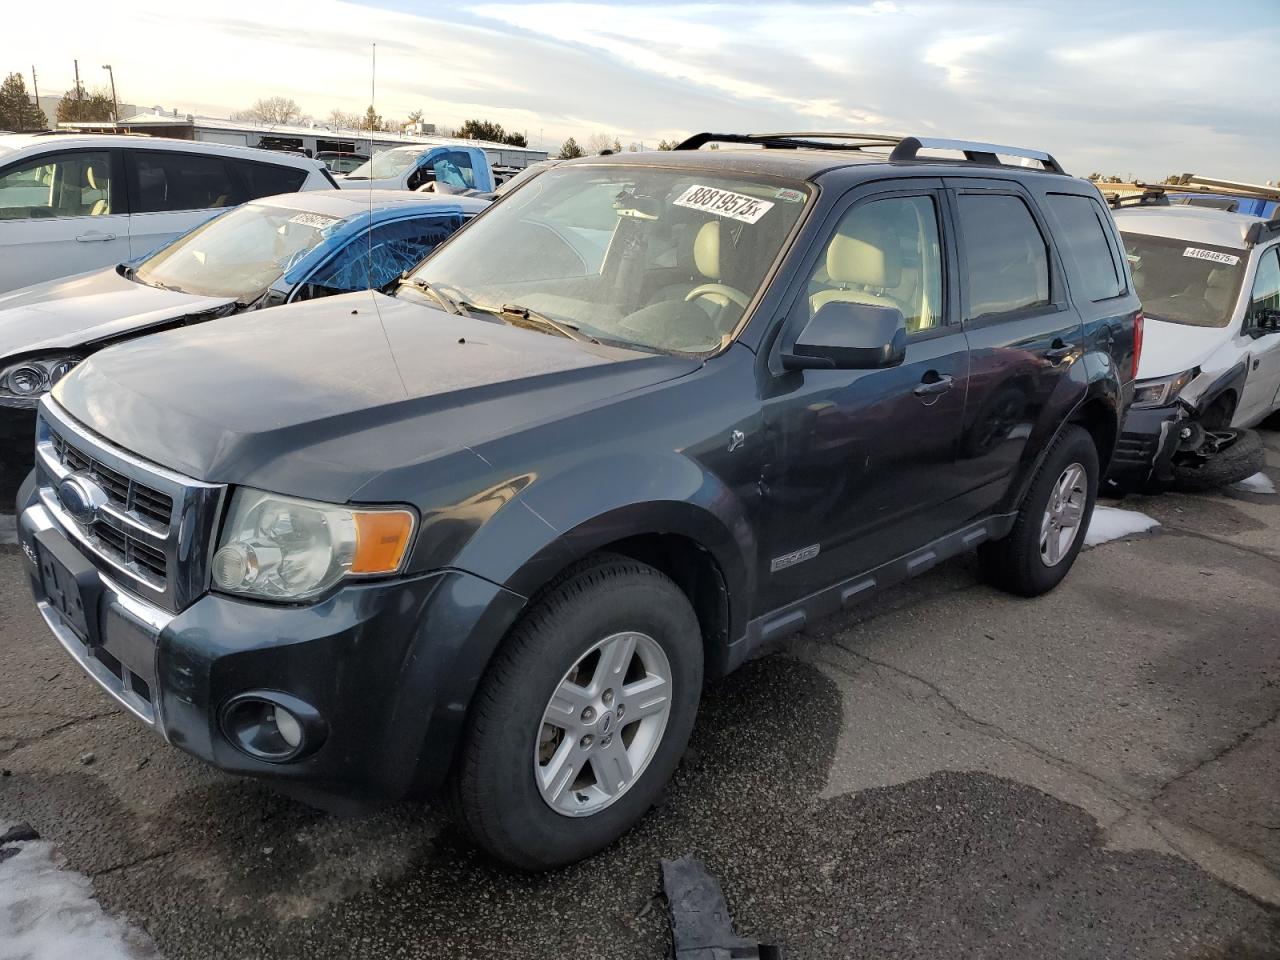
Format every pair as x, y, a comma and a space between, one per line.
1025, 339
1261, 392
61, 212
860, 462
173, 191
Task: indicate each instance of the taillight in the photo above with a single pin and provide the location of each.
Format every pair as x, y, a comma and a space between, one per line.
1137, 344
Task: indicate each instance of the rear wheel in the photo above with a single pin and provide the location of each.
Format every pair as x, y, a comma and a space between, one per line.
1051, 523
582, 717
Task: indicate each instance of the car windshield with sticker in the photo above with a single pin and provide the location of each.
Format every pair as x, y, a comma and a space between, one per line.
238, 254
1190, 283
658, 258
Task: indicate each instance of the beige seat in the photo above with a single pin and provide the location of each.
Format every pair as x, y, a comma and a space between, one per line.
1218, 288
706, 257
863, 263
101, 206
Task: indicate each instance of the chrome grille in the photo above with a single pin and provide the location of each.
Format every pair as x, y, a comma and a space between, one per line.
154, 533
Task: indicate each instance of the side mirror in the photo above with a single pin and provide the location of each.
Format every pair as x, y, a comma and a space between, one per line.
1267, 320
849, 336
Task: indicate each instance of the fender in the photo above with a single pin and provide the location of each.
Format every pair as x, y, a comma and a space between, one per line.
1200, 394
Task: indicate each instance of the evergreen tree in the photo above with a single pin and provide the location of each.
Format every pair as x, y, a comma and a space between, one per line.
17, 112
571, 150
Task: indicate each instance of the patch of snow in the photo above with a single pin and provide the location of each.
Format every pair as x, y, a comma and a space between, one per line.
1112, 523
48, 913
1258, 483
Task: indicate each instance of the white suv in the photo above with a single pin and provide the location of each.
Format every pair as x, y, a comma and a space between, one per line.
71, 203
1209, 280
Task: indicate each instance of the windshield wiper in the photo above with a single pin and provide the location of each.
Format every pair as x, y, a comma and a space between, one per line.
512, 311
439, 296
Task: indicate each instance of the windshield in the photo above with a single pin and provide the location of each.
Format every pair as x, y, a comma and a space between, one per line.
389, 163
663, 259
238, 254
1185, 282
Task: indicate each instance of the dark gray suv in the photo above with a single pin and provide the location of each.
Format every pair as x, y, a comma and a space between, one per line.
643, 417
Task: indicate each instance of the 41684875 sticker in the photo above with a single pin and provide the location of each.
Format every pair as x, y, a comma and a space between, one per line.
1212, 255
724, 203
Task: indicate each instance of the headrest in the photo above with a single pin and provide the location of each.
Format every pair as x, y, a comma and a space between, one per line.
88, 175
706, 250
864, 253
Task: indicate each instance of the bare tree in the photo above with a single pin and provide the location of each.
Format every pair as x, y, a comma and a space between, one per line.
280, 110
344, 119
599, 143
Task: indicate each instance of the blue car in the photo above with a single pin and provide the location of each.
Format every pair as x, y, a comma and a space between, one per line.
268, 252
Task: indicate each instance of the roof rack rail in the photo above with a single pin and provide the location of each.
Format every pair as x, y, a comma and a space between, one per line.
974, 152
904, 148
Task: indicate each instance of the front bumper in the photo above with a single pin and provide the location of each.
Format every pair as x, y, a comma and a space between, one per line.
1144, 452
390, 667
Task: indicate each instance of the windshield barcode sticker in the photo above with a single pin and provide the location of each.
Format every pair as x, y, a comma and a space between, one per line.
1213, 255
318, 220
724, 203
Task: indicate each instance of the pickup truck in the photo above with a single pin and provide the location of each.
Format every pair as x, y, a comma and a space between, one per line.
486, 535
458, 169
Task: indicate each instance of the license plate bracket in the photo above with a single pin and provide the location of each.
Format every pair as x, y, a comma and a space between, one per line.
71, 584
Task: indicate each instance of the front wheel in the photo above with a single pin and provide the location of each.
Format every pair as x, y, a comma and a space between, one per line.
582, 716
1050, 527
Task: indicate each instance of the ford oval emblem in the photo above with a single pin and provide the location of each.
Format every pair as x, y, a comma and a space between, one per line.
81, 497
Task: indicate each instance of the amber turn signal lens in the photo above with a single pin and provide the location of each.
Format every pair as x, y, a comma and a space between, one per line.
382, 537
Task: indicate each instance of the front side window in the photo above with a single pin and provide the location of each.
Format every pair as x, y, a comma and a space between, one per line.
455, 170
1006, 260
58, 185
388, 164
370, 262
885, 253
1084, 236
660, 258
1264, 304
182, 181
238, 254
1182, 281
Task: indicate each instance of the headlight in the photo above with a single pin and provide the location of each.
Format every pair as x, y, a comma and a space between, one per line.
1161, 391
22, 384
279, 548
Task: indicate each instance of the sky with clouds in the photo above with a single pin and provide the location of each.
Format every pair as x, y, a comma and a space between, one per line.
1139, 88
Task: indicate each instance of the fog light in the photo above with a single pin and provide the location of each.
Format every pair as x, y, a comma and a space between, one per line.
272, 726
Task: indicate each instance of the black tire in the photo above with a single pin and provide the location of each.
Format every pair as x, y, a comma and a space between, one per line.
1014, 563
493, 793
1243, 458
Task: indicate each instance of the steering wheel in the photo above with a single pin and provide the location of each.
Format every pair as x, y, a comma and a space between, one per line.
721, 290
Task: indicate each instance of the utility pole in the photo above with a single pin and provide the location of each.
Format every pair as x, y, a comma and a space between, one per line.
79, 93
115, 107
36, 87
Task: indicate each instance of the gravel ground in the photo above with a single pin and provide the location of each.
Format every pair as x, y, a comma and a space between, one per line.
947, 772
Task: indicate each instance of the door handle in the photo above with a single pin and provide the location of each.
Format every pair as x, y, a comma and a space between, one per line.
1059, 351
931, 388
95, 237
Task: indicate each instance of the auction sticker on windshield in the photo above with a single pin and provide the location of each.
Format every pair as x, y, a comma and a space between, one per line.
724, 203
1213, 255
312, 220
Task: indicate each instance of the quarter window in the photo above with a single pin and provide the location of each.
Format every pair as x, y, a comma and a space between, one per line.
885, 253
1084, 235
182, 181
1006, 260
58, 185
1264, 304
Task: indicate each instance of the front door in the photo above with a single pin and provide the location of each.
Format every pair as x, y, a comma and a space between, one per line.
61, 213
1025, 339
860, 460
1261, 392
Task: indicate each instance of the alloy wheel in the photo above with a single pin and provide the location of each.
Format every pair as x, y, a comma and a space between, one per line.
1063, 513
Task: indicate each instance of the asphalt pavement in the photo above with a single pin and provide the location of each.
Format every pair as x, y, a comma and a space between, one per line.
947, 772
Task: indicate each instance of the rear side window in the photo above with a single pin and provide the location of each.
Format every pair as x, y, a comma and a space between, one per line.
268, 179
74, 184
1084, 235
1006, 260
394, 248
182, 181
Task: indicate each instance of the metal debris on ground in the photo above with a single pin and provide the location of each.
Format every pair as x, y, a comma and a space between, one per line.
701, 928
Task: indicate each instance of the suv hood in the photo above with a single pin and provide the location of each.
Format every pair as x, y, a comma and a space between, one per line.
71, 312
1170, 348
320, 397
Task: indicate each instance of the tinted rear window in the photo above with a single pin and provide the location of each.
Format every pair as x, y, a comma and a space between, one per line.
1006, 261
1083, 235
268, 179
